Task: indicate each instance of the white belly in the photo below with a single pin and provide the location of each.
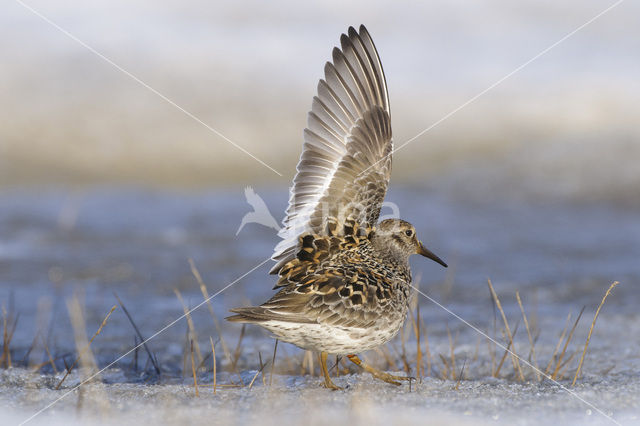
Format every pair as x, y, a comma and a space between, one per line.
332, 339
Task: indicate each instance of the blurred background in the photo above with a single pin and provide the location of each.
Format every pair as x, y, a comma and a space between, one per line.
105, 186
565, 125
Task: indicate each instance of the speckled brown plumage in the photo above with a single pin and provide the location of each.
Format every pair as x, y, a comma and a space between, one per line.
342, 294
344, 281
350, 282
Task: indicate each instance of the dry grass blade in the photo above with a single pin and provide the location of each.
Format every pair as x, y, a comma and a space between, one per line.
193, 337
464, 363
85, 356
496, 372
204, 361
142, 339
492, 348
51, 361
256, 376
593, 323
262, 365
273, 362
506, 352
492, 353
86, 348
532, 352
193, 371
238, 351
8, 321
566, 363
6, 341
42, 313
205, 294
514, 357
416, 332
557, 348
34, 342
215, 367
444, 375
566, 344
186, 349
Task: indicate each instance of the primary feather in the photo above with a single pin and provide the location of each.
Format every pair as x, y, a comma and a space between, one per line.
344, 169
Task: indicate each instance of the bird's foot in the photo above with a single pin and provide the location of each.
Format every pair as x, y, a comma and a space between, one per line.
330, 385
378, 374
389, 378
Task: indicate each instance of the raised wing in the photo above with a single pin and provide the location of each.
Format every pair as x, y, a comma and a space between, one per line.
345, 165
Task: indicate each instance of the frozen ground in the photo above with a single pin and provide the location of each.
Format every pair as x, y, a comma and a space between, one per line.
296, 400
559, 255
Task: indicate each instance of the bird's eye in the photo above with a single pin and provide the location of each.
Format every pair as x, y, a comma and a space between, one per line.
408, 232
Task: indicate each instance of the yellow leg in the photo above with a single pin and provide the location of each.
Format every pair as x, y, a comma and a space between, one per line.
325, 371
384, 376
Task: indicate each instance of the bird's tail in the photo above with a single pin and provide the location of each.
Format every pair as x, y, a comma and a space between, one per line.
251, 314
260, 314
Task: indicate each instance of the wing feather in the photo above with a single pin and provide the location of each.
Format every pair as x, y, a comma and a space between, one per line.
344, 169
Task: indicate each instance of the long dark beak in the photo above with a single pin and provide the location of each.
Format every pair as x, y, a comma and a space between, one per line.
429, 254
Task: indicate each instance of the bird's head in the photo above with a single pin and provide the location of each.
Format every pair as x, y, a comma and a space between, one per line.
400, 235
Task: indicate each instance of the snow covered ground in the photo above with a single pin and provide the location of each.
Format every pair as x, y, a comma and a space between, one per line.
296, 400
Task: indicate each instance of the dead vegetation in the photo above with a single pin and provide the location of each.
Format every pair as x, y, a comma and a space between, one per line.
413, 351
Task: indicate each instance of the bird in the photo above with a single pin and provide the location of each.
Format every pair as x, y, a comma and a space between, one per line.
260, 213
344, 281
